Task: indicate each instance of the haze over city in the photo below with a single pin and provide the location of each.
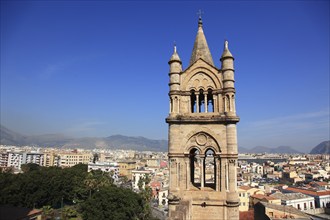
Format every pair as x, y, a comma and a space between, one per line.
98, 68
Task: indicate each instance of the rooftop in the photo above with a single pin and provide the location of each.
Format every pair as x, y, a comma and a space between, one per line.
309, 192
263, 197
290, 196
283, 208
245, 187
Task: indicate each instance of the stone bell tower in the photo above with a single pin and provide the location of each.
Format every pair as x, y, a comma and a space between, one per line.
202, 135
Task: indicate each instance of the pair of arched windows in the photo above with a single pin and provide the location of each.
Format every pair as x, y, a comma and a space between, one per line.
201, 101
203, 168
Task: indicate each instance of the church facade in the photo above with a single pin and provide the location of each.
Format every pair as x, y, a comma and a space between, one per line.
202, 135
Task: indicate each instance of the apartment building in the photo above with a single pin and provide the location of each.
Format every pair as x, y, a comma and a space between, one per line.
3, 159
15, 160
69, 159
126, 167
33, 157
244, 194
137, 175
51, 159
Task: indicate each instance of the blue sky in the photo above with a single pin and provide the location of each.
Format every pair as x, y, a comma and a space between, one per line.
98, 68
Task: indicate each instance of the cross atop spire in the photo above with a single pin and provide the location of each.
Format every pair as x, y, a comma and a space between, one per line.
201, 49
199, 13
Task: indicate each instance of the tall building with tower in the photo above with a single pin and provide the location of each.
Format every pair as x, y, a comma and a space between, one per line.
202, 135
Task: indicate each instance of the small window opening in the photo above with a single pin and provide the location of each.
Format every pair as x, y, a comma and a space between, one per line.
195, 167
210, 169
201, 101
193, 101
210, 101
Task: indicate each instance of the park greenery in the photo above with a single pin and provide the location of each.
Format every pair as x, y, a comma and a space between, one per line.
73, 192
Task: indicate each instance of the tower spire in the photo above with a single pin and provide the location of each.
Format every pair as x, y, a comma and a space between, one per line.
201, 49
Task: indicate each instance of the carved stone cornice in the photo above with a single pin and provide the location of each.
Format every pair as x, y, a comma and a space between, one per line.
232, 203
229, 156
176, 155
226, 90
202, 119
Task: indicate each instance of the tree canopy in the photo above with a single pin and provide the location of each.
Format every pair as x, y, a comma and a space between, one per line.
113, 203
93, 193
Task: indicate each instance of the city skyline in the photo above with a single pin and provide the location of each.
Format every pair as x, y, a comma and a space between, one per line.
99, 68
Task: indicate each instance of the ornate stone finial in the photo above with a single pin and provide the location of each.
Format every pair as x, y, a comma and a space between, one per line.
175, 55
174, 47
226, 52
226, 45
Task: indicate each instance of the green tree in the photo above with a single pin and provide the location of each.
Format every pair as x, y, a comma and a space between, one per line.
96, 179
69, 212
47, 212
29, 167
41, 186
113, 203
146, 194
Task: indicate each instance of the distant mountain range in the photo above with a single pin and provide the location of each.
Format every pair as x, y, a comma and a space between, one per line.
8, 137
322, 148
269, 150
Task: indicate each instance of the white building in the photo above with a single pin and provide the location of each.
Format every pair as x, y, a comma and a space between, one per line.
321, 197
15, 160
137, 175
162, 197
108, 167
3, 159
259, 169
297, 200
33, 157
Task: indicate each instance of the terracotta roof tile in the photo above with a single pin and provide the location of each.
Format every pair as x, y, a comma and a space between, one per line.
309, 192
248, 215
245, 187
259, 196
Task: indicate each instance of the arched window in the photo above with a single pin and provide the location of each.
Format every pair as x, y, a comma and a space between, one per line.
228, 107
195, 167
233, 103
201, 101
193, 101
210, 169
224, 106
210, 101
171, 105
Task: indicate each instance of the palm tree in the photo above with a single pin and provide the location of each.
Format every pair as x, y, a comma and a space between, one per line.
97, 179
